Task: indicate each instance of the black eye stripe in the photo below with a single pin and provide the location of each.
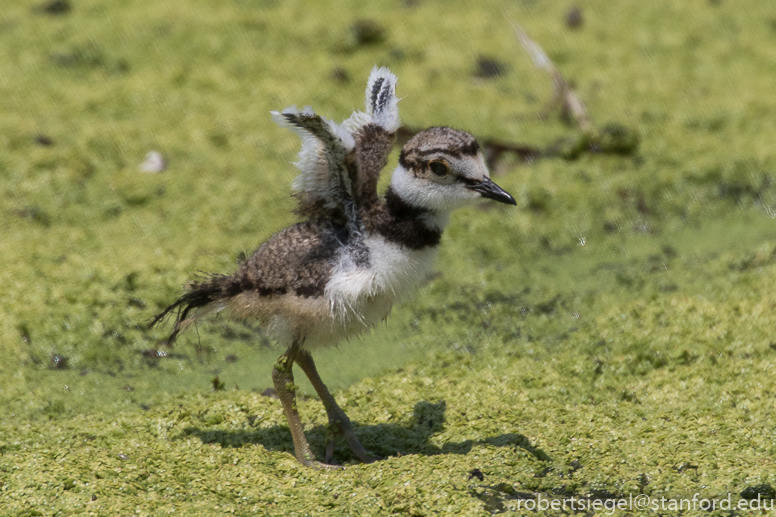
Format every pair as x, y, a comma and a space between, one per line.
468, 149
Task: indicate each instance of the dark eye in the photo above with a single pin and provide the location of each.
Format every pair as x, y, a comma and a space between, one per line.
438, 168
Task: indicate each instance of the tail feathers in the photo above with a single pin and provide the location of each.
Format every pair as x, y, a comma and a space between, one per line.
201, 299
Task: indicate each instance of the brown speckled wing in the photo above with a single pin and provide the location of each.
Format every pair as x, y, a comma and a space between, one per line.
373, 144
298, 260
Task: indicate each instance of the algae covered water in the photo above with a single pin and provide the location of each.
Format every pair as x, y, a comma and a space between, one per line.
612, 335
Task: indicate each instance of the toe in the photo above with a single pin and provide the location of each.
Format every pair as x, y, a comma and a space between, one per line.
329, 450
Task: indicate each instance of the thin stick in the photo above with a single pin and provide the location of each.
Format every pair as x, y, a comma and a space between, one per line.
563, 92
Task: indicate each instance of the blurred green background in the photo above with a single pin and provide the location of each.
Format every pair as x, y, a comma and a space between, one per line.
617, 269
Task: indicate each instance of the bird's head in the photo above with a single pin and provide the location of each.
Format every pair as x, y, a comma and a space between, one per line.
441, 169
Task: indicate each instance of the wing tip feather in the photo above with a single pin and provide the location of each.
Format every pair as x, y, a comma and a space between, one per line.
382, 105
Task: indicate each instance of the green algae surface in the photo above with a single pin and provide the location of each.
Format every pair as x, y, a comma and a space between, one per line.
612, 335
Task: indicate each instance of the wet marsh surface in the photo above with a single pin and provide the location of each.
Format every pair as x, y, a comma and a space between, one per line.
613, 334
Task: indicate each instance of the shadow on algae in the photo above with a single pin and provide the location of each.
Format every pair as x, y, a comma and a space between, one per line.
382, 439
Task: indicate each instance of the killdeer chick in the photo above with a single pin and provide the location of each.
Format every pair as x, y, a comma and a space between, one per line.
356, 254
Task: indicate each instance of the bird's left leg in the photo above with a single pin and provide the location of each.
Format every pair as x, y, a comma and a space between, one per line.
283, 379
337, 417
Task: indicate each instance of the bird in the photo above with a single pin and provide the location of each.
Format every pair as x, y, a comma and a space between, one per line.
355, 253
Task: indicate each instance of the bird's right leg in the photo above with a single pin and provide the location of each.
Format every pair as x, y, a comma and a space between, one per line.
337, 417
283, 379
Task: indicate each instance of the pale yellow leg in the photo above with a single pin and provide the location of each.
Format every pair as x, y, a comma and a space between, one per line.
337, 417
283, 379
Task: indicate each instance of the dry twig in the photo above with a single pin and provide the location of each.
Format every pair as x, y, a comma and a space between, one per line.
613, 138
563, 93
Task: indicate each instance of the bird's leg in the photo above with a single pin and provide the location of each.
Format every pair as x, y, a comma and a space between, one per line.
337, 417
283, 378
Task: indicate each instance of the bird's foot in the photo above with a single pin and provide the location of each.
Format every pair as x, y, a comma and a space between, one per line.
339, 423
339, 426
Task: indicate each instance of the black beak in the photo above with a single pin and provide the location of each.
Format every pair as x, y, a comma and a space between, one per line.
490, 190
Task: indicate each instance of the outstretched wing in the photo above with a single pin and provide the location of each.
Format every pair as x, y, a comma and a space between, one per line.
326, 163
374, 132
340, 164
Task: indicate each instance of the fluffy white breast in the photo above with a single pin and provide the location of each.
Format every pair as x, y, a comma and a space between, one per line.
364, 295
